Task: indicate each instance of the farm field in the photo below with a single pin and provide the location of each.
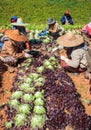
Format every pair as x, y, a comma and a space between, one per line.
82, 86
63, 93
36, 11
64, 100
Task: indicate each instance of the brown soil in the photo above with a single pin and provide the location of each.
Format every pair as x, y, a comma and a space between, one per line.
6, 84
81, 84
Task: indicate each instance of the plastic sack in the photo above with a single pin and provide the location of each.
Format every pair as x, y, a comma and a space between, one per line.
43, 33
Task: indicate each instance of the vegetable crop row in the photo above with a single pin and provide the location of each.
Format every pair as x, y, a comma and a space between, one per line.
44, 97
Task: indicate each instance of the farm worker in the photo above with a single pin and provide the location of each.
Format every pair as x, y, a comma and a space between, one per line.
55, 30
13, 19
1, 36
87, 29
86, 32
21, 26
66, 18
11, 51
76, 60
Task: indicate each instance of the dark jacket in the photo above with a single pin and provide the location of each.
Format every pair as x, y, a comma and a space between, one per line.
66, 19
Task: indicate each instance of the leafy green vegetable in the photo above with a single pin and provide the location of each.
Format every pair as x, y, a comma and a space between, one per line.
25, 64
49, 49
14, 103
28, 80
37, 83
28, 97
29, 60
39, 110
52, 58
40, 69
46, 63
20, 120
24, 108
8, 125
39, 102
50, 67
53, 63
37, 121
38, 94
16, 94
26, 87
41, 79
34, 76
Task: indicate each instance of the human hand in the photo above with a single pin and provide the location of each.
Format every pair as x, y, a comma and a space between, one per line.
27, 55
58, 48
64, 58
54, 49
26, 50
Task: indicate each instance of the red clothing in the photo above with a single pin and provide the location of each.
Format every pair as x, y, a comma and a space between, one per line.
71, 69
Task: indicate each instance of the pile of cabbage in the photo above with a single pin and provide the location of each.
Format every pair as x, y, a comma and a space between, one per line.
34, 35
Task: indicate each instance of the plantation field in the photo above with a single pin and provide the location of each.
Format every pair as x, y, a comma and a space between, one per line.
37, 12
43, 95
64, 100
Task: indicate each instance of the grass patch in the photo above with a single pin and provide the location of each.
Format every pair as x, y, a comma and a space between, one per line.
36, 11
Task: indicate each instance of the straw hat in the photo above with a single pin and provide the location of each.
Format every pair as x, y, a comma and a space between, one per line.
19, 22
15, 35
2, 30
70, 40
51, 21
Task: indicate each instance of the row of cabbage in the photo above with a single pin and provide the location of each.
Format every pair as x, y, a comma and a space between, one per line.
27, 104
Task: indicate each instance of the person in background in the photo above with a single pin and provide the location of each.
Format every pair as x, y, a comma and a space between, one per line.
75, 60
11, 51
86, 32
55, 30
1, 39
13, 19
66, 18
87, 29
21, 26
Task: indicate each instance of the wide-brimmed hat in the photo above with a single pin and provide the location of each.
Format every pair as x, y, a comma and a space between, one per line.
20, 22
16, 35
51, 21
70, 40
2, 30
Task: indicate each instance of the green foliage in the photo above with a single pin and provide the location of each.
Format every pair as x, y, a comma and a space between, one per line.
20, 119
37, 121
36, 12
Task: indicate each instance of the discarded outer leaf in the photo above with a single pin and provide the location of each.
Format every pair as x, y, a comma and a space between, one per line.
86, 101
